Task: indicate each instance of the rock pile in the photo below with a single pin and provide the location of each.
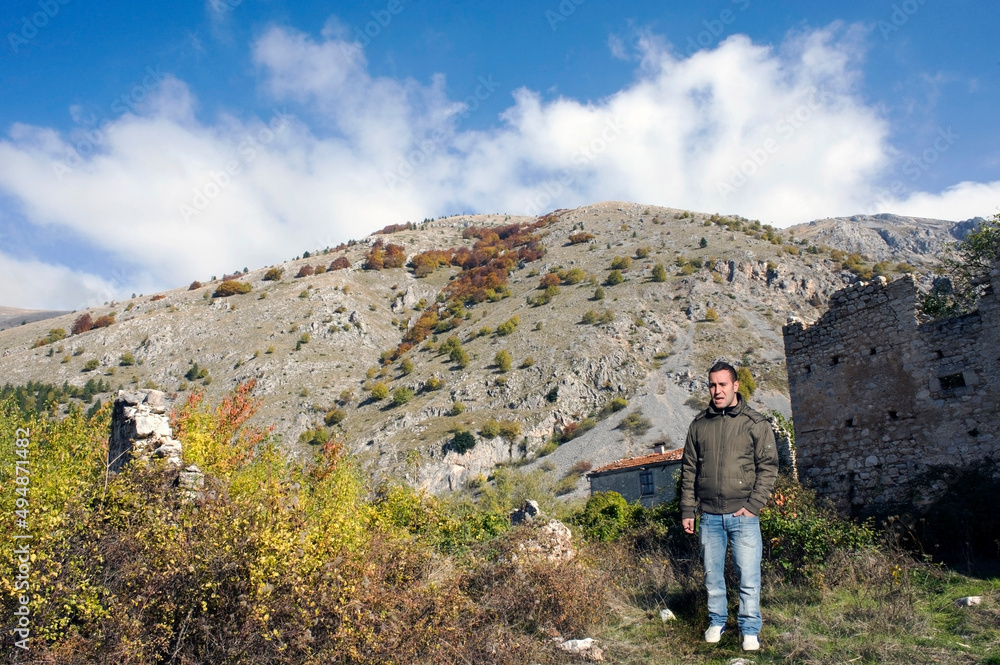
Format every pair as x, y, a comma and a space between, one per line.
140, 430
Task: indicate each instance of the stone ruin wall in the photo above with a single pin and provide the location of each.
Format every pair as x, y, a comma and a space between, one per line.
878, 399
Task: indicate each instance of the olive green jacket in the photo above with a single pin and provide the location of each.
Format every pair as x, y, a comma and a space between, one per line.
729, 461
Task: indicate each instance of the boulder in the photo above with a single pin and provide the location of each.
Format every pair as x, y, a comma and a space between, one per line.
552, 541
586, 648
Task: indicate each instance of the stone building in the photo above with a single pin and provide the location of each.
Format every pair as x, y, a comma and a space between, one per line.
882, 403
650, 479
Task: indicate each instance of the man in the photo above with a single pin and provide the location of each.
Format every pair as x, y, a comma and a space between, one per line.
727, 473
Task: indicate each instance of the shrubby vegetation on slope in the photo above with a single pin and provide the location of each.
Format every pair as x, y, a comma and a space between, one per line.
285, 562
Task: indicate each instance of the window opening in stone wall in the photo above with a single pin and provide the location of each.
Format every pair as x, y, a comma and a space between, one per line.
974, 432
835, 360
873, 351
952, 381
893, 415
849, 422
938, 354
645, 483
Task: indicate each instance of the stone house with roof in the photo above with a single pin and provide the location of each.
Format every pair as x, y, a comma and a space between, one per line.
883, 404
649, 479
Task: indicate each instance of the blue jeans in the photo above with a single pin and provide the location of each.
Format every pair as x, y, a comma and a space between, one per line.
743, 533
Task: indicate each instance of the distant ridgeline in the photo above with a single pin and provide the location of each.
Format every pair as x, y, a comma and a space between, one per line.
37, 398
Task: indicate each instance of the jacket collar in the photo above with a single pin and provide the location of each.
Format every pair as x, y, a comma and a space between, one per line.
734, 410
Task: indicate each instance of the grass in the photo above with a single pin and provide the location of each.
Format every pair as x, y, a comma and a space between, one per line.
873, 607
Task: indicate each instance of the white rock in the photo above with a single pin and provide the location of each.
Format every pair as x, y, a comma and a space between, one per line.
586, 648
969, 601
667, 615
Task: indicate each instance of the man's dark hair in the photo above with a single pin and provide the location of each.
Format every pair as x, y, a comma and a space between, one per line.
722, 366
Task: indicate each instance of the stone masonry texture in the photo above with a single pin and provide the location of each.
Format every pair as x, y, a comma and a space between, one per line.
880, 401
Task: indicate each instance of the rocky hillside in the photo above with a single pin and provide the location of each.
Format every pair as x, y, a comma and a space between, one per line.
914, 240
12, 316
609, 368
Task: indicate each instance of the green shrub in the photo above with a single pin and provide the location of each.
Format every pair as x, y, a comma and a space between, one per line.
503, 360
571, 431
463, 442
642, 252
747, 384
598, 294
434, 383
589, 317
622, 263
334, 416
273, 275
618, 403
510, 430
635, 423
126, 359
800, 534
615, 278
406, 366
711, 315
659, 273
460, 357
379, 391
574, 276
194, 372
508, 326
231, 288
401, 396
548, 448
527, 362
490, 429
457, 409
605, 517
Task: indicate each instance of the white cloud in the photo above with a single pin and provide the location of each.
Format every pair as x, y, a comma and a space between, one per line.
775, 134
962, 201
47, 286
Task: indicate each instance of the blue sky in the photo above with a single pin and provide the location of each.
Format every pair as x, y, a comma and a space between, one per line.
146, 145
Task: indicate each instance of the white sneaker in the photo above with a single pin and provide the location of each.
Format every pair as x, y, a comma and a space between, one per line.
750, 643
714, 634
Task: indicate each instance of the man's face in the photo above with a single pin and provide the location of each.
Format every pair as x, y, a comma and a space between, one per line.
722, 388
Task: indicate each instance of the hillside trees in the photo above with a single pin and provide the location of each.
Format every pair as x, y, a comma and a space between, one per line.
83, 323
965, 273
231, 288
486, 267
383, 256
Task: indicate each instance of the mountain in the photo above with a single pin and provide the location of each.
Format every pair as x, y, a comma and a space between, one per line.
315, 344
12, 316
886, 237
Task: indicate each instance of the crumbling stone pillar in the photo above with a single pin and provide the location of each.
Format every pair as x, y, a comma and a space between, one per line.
140, 429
